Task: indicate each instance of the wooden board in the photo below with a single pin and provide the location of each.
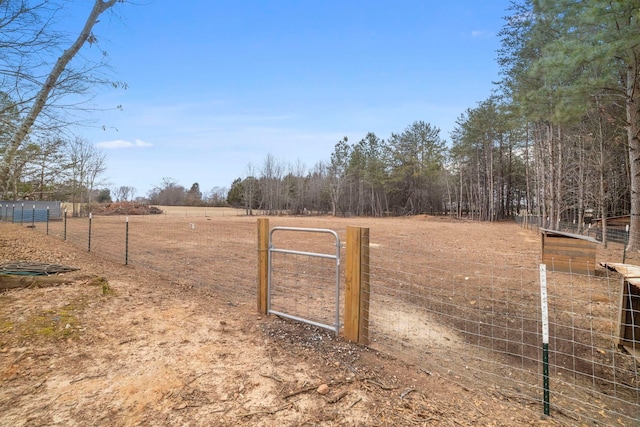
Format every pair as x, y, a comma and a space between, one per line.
629, 335
568, 253
629, 315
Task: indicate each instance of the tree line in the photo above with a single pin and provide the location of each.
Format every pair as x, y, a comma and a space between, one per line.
171, 193
402, 175
559, 138
568, 106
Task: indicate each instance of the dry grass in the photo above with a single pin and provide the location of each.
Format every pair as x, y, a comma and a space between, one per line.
194, 211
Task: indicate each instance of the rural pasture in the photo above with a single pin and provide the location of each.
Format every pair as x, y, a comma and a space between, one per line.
459, 300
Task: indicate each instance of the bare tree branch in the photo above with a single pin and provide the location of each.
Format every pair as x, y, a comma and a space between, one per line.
51, 83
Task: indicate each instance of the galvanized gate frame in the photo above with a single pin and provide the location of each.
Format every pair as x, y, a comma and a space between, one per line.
336, 326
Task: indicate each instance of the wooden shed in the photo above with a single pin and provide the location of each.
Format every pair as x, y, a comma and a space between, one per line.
568, 252
629, 314
619, 222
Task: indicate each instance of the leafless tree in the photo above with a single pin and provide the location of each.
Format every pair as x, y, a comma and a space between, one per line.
249, 189
169, 193
316, 188
47, 165
217, 196
271, 183
26, 41
86, 164
124, 193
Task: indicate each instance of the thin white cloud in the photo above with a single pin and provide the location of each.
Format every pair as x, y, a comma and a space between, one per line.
119, 143
141, 143
480, 34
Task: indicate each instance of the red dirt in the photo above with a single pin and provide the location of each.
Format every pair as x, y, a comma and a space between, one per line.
121, 346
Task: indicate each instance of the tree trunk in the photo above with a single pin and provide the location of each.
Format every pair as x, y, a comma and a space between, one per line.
581, 185
559, 170
550, 197
460, 182
492, 197
633, 128
527, 173
604, 210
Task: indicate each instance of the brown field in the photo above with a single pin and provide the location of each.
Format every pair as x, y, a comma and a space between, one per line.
190, 211
176, 338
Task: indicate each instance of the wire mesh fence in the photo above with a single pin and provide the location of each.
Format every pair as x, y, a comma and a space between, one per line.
460, 300
478, 317
477, 322
618, 232
192, 251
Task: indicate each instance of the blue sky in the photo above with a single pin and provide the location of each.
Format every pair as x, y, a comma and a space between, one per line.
214, 86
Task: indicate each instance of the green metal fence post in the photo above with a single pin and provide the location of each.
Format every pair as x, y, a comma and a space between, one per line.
545, 336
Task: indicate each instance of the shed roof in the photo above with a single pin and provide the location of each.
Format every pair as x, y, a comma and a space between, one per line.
630, 272
564, 234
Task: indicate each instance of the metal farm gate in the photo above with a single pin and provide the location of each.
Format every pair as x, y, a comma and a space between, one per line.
296, 287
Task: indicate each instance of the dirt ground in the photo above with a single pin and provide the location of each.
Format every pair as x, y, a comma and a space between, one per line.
116, 345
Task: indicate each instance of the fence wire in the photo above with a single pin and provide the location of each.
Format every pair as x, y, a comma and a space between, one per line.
305, 276
192, 251
454, 311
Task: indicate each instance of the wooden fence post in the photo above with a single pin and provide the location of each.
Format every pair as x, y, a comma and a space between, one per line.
356, 306
263, 264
